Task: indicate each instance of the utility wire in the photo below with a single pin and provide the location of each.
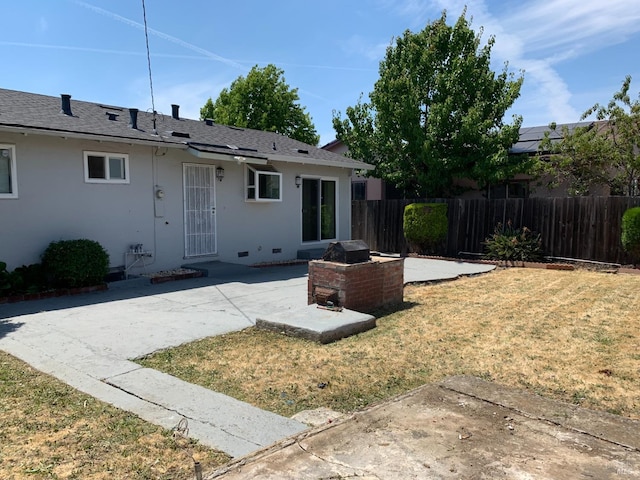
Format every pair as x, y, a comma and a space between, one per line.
146, 36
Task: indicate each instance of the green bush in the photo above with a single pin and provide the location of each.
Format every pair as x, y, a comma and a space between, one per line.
29, 279
24, 279
425, 226
5, 280
631, 233
75, 263
513, 244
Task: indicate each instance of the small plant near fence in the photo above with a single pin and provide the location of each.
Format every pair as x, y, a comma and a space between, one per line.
425, 227
511, 244
631, 233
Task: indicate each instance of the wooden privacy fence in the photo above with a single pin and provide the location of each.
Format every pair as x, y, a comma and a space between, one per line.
585, 228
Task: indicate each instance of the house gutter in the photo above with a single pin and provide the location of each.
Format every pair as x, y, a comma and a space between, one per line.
90, 136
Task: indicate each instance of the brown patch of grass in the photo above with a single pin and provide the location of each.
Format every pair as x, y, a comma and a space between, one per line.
572, 336
49, 430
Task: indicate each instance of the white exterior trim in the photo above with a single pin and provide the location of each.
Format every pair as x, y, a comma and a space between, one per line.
107, 156
13, 173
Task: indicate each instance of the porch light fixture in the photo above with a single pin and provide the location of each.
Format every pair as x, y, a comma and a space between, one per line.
298, 181
220, 173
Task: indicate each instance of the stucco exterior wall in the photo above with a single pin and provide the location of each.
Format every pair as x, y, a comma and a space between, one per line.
55, 203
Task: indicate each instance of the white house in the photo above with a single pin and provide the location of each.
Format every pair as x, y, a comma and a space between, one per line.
158, 191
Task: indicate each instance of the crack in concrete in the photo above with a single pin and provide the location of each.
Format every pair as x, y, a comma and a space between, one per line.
211, 424
105, 379
235, 306
541, 418
358, 472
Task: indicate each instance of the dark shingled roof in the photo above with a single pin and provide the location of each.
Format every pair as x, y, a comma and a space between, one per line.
21, 111
530, 137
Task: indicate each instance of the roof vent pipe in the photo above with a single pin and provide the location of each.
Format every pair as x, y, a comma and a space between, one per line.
174, 111
133, 114
66, 104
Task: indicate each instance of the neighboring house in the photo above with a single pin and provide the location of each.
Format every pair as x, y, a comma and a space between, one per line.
520, 186
362, 188
177, 190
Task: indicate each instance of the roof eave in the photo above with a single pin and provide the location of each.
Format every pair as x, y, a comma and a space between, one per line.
351, 164
226, 157
159, 142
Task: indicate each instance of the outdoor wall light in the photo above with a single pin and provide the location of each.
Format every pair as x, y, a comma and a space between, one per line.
220, 173
298, 181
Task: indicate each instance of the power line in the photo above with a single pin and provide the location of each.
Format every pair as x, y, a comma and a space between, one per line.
146, 36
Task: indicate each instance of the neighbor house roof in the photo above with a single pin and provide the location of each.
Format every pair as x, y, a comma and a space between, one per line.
528, 141
530, 137
33, 113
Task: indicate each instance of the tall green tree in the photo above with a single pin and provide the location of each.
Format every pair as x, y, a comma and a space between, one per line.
621, 131
580, 161
263, 101
436, 113
605, 152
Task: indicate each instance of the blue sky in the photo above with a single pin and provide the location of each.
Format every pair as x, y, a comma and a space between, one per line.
573, 52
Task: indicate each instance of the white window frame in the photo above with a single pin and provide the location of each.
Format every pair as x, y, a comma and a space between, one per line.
106, 156
252, 191
13, 174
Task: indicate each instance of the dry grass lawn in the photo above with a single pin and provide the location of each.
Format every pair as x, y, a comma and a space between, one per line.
48, 430
572, 336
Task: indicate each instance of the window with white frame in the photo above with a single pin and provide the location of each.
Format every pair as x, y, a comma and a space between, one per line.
100, 167
263, 184
8, 178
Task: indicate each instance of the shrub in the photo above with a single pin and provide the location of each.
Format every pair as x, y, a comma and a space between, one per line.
513, 244
425, 226
29, 279
75, 263
5, 280
631, 233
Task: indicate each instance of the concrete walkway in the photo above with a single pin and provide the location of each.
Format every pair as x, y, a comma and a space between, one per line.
87, 341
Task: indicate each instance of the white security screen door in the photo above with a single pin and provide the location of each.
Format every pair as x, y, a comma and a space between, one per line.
199, 209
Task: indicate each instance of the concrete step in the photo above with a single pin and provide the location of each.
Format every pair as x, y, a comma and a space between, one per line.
317, 324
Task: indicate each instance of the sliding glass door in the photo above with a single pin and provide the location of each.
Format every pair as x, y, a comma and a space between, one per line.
318, 209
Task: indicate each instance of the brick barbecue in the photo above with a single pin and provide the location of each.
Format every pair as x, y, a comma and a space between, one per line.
364, 285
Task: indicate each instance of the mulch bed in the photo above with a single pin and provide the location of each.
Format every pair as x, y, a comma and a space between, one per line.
549, 265
173, 275
60, 292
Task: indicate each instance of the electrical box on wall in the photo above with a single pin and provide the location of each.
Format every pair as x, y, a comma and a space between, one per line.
158, 201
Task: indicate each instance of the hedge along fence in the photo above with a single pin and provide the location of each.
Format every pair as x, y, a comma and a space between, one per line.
587, 228
425, 226
631, 233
